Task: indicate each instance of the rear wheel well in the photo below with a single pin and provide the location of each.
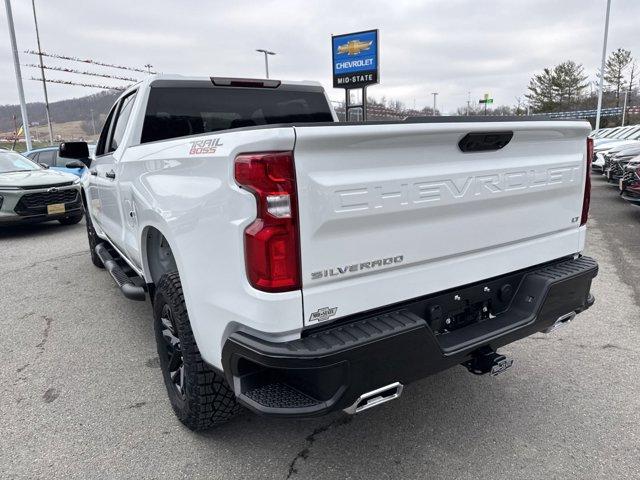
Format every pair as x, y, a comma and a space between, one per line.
160, 259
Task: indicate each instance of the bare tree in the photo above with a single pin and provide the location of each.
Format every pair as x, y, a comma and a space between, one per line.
632, 79
614, 71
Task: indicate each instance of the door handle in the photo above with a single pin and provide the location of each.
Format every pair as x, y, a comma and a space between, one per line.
110, 174
93, 172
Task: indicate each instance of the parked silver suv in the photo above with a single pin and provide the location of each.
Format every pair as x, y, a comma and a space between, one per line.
31, 193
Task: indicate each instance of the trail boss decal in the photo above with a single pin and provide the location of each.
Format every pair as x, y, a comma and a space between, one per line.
357, 267
323, 314
209, 146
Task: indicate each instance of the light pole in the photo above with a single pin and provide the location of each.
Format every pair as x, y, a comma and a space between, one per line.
16, 65
435, 94
624, 106
604, 55
266, 58
44, 80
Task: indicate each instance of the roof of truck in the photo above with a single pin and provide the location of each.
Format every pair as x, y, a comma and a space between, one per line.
171, 78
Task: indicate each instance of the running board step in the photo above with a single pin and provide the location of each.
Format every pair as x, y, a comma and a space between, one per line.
126, 283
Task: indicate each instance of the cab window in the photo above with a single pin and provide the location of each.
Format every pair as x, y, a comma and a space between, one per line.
121, 120
102, 141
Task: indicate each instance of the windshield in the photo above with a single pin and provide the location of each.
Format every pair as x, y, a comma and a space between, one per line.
14, 162
629, 134
633, 135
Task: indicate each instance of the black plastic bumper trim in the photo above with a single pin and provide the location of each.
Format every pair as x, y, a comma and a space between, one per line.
336, 365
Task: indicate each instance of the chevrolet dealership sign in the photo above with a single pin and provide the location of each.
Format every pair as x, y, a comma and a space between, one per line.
355, 59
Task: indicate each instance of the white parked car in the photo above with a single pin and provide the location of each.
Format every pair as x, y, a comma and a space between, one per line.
298, 266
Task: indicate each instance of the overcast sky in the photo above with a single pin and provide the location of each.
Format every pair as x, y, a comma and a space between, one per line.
448, 46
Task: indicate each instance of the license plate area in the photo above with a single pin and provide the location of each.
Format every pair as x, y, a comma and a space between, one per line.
481, 302
55, 208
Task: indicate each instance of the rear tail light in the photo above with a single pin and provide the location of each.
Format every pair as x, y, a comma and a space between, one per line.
271, 242
587, 184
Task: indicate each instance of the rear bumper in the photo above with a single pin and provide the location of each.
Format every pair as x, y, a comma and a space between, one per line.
330, 369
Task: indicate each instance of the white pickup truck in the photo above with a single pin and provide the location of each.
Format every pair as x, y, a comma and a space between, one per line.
297, 265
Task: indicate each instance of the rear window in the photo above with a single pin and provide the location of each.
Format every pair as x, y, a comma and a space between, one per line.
180, 111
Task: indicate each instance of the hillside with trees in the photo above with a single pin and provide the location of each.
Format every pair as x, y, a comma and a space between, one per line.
74, 109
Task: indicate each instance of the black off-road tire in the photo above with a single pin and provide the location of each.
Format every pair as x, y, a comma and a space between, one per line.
203, 399
71, 220
94, 240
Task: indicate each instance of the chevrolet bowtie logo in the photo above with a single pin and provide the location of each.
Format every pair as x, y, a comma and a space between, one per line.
52, 190
354, 47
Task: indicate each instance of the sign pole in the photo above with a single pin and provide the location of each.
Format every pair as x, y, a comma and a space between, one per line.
16, 65
364, 104
346, 104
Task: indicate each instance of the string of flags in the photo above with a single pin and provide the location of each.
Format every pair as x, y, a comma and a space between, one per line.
90, 61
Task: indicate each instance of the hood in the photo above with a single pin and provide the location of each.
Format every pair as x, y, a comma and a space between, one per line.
34, 178
614, 144
627, 150
597, 142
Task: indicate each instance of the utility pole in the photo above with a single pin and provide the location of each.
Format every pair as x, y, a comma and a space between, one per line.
604, 55
435, 94
16, 65
266, 58
93, 122
624, 106
468, 103
44, 80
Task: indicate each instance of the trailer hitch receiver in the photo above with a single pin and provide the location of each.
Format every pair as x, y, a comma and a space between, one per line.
486, 360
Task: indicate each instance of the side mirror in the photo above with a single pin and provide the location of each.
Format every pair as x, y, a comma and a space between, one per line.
75, 164
44, 165
75, 150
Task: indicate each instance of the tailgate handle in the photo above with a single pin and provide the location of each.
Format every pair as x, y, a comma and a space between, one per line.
484, 141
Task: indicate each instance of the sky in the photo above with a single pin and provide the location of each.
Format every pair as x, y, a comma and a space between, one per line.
452, 47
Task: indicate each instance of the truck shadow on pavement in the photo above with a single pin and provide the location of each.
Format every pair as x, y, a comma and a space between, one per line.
437, 416
34, 230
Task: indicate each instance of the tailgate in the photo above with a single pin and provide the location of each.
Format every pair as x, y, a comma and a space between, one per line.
395, 211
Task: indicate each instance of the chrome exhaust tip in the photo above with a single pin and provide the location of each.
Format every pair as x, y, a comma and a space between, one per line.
562, 321
375, 397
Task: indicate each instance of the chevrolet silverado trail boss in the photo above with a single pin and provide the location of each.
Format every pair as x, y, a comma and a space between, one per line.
297, 265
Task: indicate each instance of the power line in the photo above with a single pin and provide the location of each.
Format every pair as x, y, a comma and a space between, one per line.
81, 84
81, 72
88, 60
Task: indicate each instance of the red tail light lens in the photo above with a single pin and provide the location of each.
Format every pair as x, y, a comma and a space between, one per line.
587, 183
271, 242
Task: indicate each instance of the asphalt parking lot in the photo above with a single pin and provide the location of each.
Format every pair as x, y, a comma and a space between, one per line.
83, 396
